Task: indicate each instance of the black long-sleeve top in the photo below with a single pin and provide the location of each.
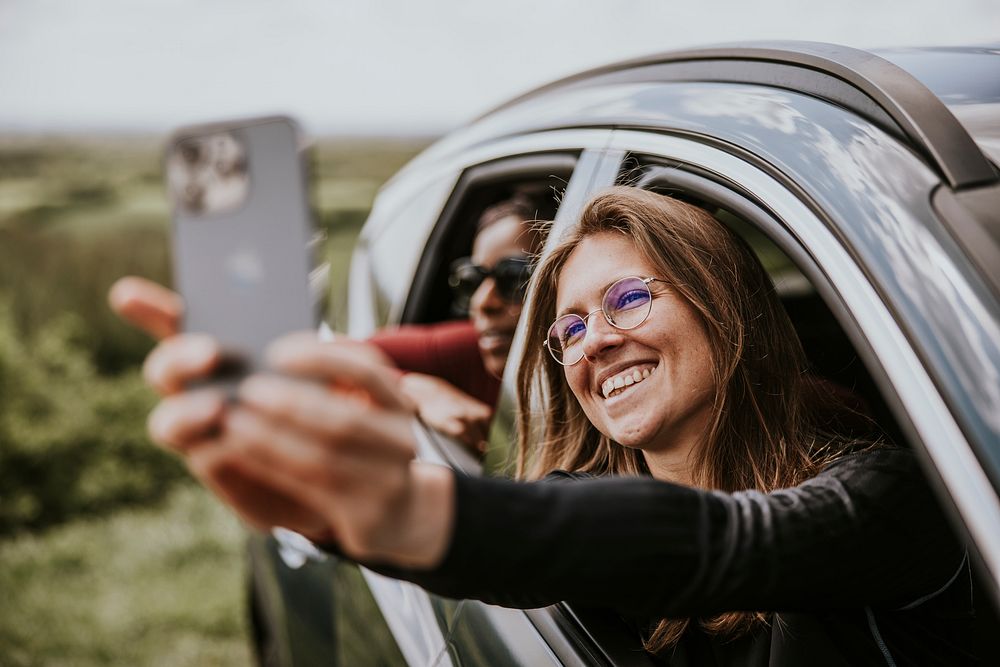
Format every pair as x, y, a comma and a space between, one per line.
858, 563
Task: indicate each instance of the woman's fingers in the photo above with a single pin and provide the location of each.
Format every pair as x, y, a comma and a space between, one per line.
448, 409
277, 448
464, 423
147, 305
181, 421
476, 435
264, 497
322, 473
348, 365
341, 420
178, 360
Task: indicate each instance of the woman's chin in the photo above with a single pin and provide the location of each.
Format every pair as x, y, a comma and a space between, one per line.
494, 361
633, 438
647, 435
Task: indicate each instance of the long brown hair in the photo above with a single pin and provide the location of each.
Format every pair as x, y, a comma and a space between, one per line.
762, 433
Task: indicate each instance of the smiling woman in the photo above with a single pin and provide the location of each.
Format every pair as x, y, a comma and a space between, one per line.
694, 374
452, 370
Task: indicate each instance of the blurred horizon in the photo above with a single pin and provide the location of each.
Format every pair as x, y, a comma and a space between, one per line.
156, 136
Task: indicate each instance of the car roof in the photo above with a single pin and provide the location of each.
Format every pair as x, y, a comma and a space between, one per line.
952, 122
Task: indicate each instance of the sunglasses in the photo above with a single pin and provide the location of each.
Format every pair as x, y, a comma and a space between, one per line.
510, 275
625, 305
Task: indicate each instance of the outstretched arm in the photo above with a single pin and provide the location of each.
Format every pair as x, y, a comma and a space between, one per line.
866, 532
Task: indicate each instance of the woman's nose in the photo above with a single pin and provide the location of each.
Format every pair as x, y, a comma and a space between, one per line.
486, 298
600, 336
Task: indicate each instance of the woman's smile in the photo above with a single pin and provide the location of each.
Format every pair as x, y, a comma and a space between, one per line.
618, 382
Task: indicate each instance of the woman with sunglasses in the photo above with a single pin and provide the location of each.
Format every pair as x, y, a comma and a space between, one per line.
689, 484
452, 370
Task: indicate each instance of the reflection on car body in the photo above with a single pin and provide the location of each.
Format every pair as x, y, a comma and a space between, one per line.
872, 198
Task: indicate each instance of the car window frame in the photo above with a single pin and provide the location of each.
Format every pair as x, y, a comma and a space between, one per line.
712, 174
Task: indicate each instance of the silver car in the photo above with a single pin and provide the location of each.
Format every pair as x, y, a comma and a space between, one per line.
868, 185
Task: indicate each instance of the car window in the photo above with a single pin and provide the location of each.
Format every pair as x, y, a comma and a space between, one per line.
595, 169
540, 179
860, 406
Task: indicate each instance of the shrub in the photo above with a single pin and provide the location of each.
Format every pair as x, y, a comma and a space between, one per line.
72, 442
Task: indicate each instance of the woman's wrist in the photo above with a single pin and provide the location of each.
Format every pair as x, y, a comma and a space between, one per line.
415, 387
426, 524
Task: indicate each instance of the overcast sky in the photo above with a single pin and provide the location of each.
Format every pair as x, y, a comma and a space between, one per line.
396, 66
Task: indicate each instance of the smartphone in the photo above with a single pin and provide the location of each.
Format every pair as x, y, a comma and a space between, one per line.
243, 235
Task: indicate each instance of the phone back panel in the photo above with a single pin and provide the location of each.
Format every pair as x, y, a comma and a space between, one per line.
242, 229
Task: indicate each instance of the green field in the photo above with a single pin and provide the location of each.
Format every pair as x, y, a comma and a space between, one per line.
109, 554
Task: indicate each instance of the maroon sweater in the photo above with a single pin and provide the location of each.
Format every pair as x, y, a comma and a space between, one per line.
448, 350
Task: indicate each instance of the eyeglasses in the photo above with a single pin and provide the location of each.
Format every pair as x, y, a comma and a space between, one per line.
625, 305
510, 275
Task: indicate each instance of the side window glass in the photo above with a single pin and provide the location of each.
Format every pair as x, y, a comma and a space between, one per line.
537, 181
832, 358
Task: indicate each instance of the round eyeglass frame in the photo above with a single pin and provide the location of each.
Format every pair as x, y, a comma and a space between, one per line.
586, 318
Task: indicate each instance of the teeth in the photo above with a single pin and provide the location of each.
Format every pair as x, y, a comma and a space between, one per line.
616, 385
